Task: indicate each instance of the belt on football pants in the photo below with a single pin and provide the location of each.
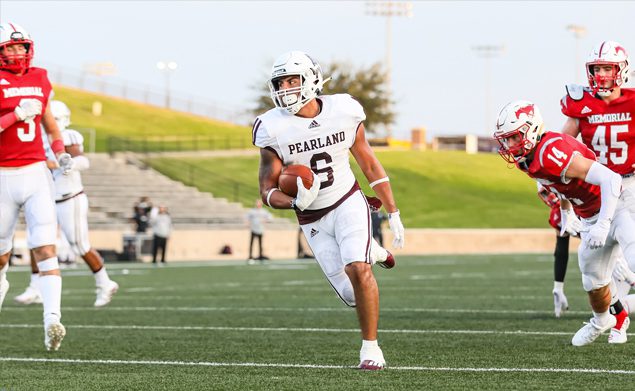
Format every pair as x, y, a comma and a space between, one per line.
67, 197
628, 175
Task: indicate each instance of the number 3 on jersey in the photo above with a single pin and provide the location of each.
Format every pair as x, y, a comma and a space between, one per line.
27, 134
601, 147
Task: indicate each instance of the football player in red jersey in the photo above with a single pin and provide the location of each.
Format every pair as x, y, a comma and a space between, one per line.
603, 114
24, 177
568, 168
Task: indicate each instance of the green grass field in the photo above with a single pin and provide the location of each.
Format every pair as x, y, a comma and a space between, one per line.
154, 127
433, 189
447, 322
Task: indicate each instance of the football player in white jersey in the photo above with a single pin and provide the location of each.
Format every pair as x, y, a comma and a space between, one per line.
319, 132
72, 214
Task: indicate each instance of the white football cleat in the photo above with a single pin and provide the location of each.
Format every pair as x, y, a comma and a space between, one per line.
105, 293
371, 359
53, 335
560, 303
4, 288
30, 296
590, 331
619, 335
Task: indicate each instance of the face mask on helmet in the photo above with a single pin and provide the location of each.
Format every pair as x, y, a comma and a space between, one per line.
61, 113
302, 77
519, 127
16, 48
607, 67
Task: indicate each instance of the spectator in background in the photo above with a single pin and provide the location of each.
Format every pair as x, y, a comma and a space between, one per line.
256, 217
377, 217
161, 223
141, 216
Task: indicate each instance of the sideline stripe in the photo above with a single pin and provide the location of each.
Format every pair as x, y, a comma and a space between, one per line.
294, 309
293, 329
310, 366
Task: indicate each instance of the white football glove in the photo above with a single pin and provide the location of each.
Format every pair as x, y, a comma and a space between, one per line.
28, 109
66, 162
305, 197
394, 220
621, 272
596, 235
569, 222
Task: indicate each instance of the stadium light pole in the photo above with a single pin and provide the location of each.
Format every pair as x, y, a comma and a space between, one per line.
167, 67
578, 32
388, 9
487, 52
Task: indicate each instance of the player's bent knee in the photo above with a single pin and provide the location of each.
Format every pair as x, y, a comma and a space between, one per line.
592, 282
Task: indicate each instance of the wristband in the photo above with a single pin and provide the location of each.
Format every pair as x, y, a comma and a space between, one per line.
57, 146
378, 181
269, 193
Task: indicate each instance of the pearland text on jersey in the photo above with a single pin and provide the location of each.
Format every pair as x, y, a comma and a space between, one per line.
316, 143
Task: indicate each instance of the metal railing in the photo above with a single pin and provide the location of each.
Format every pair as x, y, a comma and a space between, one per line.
175, 144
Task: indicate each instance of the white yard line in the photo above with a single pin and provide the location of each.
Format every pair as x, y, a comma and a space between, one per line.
312, 366
294, 309
291, 329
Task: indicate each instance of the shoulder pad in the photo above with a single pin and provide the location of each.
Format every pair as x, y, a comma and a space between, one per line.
575, 91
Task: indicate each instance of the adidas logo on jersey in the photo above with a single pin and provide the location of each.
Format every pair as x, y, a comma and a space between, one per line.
585, 110
314, 232
314, 124
4, 82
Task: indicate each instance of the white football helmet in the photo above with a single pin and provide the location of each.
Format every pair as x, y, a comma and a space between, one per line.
62, 114
608, 53
310, 72
521, 123
11, 34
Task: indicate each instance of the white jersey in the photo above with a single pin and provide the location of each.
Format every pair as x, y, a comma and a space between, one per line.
322, 143
71, 183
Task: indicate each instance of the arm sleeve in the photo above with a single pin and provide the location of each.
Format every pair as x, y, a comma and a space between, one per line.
610, 186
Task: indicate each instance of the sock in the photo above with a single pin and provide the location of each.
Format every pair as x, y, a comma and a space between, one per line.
35, 278
618, 310
561, 258
369, 344
51, 291
558, 286
602, 317
3, 272
101, 277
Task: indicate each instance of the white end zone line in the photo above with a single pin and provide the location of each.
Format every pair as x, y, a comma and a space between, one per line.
308, 366
292, 329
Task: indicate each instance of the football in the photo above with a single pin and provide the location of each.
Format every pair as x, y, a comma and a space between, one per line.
287, 181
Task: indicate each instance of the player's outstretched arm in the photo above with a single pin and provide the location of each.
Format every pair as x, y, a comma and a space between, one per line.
376, 176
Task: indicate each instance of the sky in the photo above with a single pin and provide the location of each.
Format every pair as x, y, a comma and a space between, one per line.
439, 81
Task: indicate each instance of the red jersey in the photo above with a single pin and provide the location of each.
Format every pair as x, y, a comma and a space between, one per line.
607, 128
552, 156
21, 143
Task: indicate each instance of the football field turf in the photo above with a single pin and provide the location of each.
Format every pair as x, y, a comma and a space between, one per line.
447, 322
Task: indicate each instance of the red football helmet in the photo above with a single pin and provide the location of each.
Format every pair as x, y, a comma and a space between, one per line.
518, 130
608, 53
13, 34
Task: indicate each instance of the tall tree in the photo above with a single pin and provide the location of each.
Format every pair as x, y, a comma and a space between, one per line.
367, 85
